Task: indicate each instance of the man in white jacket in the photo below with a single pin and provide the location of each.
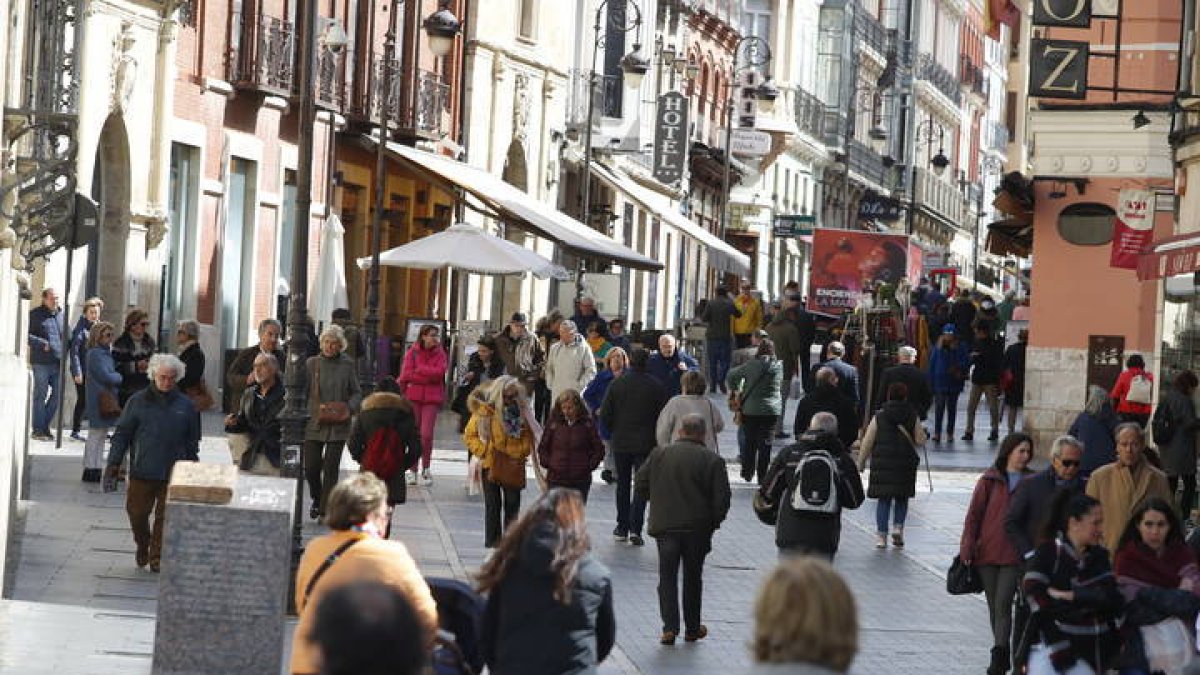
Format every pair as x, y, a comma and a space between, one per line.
570, 364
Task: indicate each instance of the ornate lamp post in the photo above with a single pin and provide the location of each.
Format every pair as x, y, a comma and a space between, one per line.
758, 53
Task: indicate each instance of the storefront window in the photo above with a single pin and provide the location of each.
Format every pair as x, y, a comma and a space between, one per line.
1181, 326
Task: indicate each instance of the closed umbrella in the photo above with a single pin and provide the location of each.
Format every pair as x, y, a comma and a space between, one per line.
328, 290
468, 248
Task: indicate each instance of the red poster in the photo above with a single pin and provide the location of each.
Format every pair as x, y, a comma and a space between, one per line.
1134, 227
844, 262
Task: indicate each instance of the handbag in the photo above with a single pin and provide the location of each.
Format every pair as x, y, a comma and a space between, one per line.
963, 579
334, 412
200, 396
736, 398
507, 471
109, 405
1168, 646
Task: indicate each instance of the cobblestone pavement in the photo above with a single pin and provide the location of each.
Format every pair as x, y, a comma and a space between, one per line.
75, 602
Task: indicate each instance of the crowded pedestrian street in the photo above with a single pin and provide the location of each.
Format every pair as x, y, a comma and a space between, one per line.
74, 578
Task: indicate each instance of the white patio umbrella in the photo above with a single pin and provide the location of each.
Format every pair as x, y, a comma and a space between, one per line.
466, 247
328, 291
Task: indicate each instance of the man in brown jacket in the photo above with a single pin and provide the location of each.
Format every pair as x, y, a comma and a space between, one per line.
1122, 485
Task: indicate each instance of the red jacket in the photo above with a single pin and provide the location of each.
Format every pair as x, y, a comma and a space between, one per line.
424, 374
984, 541
1121, 389
570, 452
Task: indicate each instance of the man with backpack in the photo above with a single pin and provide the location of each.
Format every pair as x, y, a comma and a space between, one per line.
806, 488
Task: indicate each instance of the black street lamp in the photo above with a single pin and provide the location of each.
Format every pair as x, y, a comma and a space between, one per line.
441, 27
925, 130
758, 53
294, 416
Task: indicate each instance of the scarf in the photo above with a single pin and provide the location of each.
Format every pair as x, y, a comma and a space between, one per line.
512, 421
524, 353
1138, 562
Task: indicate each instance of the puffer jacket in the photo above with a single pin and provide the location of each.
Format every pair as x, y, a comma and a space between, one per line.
594, 395
527, 631
759, 381
948, 369
569, 366
892, 457
570, 451
984, 540
78, 355
45, 330
381, 410
157, 429
424, 375
101, 376
1120, 392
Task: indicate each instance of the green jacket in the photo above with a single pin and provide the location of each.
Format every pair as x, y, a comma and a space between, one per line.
786, 335
759, 381
687, 487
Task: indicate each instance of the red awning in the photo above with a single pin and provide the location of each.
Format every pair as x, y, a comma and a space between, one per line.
1179, 254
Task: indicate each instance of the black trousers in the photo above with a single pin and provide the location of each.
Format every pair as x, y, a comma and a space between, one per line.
1188, 500
757, 456
582, 488
80, 404
688, 549
631, 509
321, 468
495, 498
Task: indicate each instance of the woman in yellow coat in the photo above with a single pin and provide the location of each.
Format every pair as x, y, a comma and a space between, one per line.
502, 423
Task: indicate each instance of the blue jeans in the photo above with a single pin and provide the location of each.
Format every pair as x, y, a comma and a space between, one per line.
631, 509
45, 395
883, 512
720, 352
944, 405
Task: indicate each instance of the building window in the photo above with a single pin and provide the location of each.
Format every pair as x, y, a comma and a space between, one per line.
756, 20
179, 298
1087, 224
286, 234
527, 19
236, 284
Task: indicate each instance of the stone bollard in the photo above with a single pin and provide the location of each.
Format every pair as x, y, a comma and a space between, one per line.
225, 566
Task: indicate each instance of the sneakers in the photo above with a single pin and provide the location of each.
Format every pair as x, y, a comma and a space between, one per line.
636, 540
898, 537
700, 634
426, 477
411, 477
620, 535
880, 540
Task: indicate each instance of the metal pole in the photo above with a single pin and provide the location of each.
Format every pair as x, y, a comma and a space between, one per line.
371, 321
295, 413
728, 140
587, 142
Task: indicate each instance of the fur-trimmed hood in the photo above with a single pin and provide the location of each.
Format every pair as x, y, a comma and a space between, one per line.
382, 400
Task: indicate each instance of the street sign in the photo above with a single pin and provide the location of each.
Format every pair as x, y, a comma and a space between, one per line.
750, 142
789, 226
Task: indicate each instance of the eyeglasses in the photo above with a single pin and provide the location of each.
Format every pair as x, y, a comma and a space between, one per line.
1068, 463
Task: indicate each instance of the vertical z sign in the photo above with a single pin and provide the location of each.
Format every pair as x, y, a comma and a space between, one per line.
1058, 69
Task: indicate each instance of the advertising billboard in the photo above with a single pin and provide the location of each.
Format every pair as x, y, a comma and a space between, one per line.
844, 262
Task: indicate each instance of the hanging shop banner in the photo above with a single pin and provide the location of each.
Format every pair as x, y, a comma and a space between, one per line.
847, 262
670, 137
1134, 228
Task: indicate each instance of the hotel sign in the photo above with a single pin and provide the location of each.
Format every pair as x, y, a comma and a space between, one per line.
670, 137
1058, 69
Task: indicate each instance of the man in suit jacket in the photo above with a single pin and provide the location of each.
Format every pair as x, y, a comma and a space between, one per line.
847, 375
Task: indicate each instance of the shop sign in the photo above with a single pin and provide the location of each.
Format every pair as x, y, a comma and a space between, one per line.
790, 227
1072, 13
670, 136
1168, 258
1134, 228
746, 96
1058, 69
878, 207
749, 142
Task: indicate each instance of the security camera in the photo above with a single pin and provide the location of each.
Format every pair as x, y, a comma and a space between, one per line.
333, 36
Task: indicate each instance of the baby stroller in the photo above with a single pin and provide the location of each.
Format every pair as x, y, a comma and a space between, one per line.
460, 626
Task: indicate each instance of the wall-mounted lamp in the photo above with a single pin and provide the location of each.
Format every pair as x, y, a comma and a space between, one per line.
1140, 120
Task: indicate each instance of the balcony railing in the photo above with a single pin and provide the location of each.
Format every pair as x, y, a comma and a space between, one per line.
605, 89
810, 114
998, 136
973, 78
940, 196
431, 100
262, 53
864, 161
330, 85
869, 32
934, 73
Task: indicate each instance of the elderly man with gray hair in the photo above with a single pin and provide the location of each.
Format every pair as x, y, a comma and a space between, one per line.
807, 486
906, 372
158, 427
847, 375
688, 490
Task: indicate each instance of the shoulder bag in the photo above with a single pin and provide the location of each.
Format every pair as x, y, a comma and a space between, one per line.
963, 579
736, 398
200, 396
507, 471
109, 405
326, 564
334, 412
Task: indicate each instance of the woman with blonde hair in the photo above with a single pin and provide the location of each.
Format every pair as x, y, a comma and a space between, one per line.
570, 448
501, 433
805, 621
355, 551
333, 396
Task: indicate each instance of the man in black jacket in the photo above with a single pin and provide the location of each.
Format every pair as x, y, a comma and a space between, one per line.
827, 397
847, 375
630, 411
689, 487
920, 396
718, 336
809, 531
987, 365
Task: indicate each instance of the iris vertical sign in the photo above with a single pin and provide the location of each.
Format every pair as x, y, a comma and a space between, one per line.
670, 137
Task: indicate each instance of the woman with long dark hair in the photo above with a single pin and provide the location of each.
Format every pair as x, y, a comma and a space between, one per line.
986, 545
1071, 591
549, 607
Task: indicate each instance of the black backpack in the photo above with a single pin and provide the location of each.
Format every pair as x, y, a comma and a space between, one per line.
1162, 425
815, 484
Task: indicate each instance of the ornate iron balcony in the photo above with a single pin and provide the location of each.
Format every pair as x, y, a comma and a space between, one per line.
810, 114
869, 32
998, 136
431, 99
330, 85
262, 53
972, 77
934, 73
864, 161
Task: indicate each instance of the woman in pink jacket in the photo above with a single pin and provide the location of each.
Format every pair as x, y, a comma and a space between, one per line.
985, 544
423, 378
